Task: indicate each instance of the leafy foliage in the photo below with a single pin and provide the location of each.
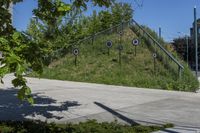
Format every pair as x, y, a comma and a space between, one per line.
90, 126
21, 51
122, 12
51, 13
80, 26
18, 57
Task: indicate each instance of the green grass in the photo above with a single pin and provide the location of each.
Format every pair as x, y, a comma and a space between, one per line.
94, 65
85, 127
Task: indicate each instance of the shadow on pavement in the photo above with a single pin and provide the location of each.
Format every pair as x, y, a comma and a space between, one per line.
12, 108
181, 129
118, 115
169, 131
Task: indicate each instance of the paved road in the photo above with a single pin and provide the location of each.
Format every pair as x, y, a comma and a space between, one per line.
63, 101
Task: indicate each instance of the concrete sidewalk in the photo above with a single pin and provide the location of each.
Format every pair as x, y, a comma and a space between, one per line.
63, 101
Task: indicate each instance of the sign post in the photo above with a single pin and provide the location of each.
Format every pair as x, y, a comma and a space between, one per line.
196, 41
109, 45
75, 53
120, 48
154, 61
135, 43
121, 34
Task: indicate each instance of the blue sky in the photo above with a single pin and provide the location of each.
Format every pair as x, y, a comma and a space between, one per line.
172, 16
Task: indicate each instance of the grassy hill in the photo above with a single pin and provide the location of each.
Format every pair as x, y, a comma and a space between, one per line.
95, 65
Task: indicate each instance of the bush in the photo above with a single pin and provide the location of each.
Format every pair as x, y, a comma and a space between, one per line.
91, 126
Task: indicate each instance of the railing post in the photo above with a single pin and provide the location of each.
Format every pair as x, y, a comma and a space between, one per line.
180, 72
111, 30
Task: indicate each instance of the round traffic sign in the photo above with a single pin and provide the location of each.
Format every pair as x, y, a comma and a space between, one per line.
121, 33
120, 47
109, 44
75, 51
154, 55
135, 42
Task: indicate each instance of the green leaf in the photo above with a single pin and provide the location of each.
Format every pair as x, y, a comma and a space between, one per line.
21, 94
25, 94
16, 35
3, 40
13, 58
30, 100
27, 90
4, 70
19, 81
64, 8
20, 69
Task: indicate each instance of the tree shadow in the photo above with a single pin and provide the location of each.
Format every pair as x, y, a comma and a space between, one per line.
11, 108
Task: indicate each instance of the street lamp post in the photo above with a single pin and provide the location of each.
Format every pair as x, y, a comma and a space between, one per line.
160, 32
187, 42
196, 40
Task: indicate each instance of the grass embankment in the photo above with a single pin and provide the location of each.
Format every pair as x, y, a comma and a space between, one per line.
96, 66
86, 127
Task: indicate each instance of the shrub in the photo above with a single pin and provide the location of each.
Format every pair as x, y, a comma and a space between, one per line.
91, 126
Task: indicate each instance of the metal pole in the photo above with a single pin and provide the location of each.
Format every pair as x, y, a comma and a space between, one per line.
160, 31
75, 61
120, 39
120, 62
180, 72
93, 39
135, 50
122, 26
187, 48
196, 40
154, 64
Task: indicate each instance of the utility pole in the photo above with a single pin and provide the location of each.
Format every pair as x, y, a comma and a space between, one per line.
196, 40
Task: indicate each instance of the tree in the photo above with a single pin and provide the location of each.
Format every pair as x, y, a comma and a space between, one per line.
20, 51
121, 12
105, 19
35, 30
95, 24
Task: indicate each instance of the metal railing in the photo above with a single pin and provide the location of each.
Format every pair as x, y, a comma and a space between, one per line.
68, 47
162, 53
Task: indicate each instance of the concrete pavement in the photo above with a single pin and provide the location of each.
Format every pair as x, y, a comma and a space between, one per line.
63, 101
